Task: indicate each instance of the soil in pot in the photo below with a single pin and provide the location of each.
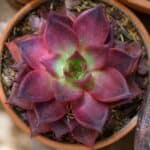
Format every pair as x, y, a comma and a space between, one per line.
124, 31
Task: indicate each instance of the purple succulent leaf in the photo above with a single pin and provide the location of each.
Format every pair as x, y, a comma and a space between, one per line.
65, 92
90, 113
34, 126
23, 70
49, 112
134, 90
15, 101
36, 87
92, 27
96, 57
33, 50
110, 39
85, 136
125, 57
60, 128
59, 36
50, 65
14, 50
109, 86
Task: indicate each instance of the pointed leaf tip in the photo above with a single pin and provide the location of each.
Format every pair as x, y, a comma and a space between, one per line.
125, 57
91, 113
109, 86
92, 27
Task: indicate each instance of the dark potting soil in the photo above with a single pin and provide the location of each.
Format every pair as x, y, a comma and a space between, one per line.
124, 31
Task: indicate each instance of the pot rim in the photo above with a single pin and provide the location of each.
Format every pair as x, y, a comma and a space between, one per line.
58, 145
141, 5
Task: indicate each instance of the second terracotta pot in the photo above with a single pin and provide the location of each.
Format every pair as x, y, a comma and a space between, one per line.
139, 5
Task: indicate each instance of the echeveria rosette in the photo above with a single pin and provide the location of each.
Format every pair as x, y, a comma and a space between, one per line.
73, 67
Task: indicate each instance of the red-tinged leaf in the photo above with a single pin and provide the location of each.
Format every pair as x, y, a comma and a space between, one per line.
14, 100
110, 42
24, 69
65, 92
134, 90
36, 87
92, 27
60, 18
49, 111
34, 126
90, 113
33, 50
125, 58
14, 50
109, 86
59, 36
96, 57
59, 128
85, 136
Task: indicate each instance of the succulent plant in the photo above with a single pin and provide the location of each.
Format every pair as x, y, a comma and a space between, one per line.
71, 73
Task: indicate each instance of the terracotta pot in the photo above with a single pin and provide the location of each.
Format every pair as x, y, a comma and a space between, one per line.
139, 5
57, 145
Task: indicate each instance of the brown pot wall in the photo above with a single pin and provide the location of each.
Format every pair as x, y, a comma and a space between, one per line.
139, 5
54, 144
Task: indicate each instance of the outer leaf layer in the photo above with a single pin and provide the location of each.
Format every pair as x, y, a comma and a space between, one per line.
49, 111
36, 87
85, 136
59, 128
109, 86
35, 127
33, 50
14, 100
92, 27
91, 113
125, 58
